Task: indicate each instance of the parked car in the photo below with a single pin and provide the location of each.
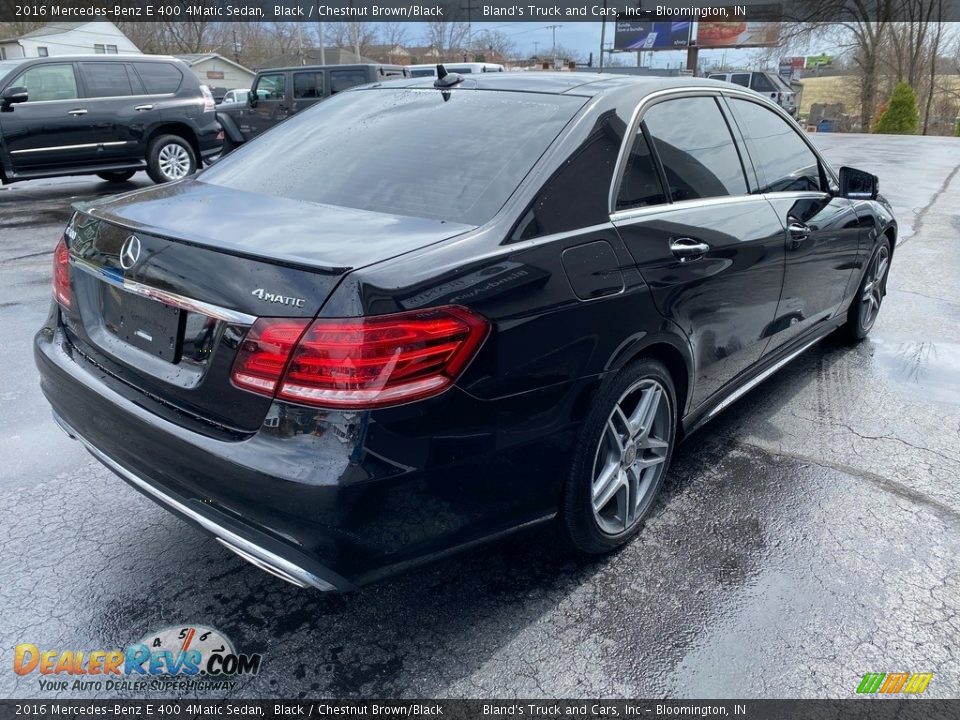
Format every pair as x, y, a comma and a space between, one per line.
232, 96
108, 115
278, 93
768, 84
341, 368
430, 70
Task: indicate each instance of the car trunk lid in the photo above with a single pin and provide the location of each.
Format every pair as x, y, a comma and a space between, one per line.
167, 282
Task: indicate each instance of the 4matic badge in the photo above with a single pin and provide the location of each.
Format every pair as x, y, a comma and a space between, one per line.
279, 299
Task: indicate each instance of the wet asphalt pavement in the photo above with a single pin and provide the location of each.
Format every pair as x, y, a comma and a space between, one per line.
809, 535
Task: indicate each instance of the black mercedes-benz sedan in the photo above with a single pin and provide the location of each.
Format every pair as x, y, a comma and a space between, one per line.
426, 313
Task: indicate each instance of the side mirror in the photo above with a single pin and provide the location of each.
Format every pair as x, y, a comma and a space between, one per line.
14, 95
857, 184
252, 98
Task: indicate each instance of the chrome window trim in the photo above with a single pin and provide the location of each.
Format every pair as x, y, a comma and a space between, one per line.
622, 216
168, 298
754, 97
635, 119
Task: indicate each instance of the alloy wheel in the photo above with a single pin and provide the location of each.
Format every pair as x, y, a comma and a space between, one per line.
631, 456
174, 161
872, 294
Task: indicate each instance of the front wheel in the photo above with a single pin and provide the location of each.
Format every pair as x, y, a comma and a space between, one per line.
866, 305
170, 158
621, 459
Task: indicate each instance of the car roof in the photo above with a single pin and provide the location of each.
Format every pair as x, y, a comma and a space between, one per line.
263, 71
120, 57
557, 83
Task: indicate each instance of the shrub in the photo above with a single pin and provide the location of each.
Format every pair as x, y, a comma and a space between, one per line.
901, 116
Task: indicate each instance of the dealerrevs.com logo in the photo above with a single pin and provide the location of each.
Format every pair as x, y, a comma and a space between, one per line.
176, 658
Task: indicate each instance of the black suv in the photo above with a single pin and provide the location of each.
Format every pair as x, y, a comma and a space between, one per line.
104, 115
278, 93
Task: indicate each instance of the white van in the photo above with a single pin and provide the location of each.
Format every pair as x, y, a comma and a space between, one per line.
430, 70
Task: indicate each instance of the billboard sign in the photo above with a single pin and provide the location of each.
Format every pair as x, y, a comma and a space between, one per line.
634, 36
734, 34
742, 34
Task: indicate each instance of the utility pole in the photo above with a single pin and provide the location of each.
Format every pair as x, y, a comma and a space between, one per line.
603, 32
323, 43
536, 48
470, 7
554, 29
299, 45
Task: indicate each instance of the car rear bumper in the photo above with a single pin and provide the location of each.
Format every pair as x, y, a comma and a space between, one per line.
329, 500
249, 546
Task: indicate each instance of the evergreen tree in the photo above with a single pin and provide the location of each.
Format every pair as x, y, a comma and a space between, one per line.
901, 116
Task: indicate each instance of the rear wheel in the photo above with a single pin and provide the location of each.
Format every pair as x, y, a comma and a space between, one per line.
866, 305
169, 158
117, 176
621, 460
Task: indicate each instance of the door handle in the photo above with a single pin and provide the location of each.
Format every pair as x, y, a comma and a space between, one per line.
77, 111
798, 232
688, 249
141, 108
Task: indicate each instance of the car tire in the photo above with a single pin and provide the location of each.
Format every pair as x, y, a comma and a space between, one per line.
169, 158
622, 456
117, 176
873, 287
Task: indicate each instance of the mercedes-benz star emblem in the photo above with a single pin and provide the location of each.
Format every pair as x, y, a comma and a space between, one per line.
130, 252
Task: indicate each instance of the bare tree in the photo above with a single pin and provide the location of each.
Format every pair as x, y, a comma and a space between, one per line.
394, 33
494, 42
353, 36
194, 36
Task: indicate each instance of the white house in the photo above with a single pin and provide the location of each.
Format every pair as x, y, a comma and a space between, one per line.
219, 72
69, 38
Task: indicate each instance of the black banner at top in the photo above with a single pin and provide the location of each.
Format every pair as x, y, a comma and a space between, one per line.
536, 11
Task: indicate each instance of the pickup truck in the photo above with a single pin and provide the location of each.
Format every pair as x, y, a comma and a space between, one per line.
278, 93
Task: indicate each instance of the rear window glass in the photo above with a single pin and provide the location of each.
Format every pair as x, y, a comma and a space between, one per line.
406, 152
158, 77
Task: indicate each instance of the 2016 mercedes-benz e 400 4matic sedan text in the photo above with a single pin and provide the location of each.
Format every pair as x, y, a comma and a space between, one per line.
427, 312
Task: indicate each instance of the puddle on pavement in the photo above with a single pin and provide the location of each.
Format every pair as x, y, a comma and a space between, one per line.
929, 368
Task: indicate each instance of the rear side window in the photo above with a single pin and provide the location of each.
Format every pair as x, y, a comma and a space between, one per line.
106, 79
48, 82
761, 83
159, 78
740, 79
783, 160
270, 87
343, 79
696, 148
307, 85
403, 151
640, 185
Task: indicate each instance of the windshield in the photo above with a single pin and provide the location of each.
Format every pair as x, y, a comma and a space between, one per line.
403, 151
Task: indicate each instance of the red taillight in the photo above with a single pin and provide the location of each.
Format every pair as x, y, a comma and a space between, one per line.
359, 363
61, 275
264, 353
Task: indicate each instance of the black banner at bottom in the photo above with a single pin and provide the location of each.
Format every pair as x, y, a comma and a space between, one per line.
878, 708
